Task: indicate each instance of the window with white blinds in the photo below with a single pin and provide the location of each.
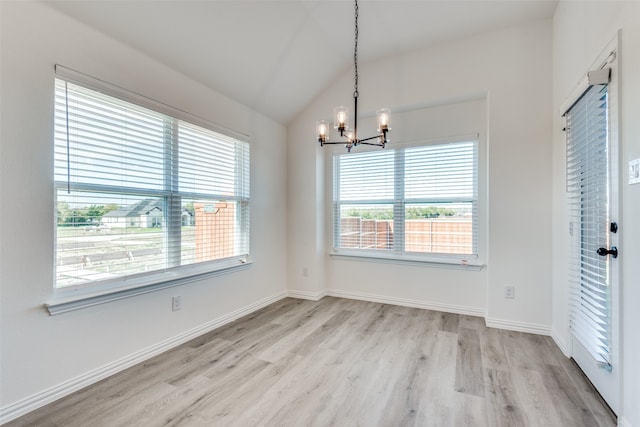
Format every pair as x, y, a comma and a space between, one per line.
588, 190
139, 192
419, 201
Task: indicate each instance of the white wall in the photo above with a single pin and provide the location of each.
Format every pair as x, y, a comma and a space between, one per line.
581, 31
38, 351
511, 69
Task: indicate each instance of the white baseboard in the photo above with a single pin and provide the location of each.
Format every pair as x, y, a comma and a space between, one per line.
449, 308
622, 422
54, 393
313, 296
560, 342
513, 325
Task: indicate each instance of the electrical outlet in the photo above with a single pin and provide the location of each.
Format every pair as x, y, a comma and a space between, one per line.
509, 292
305, 271
176, 303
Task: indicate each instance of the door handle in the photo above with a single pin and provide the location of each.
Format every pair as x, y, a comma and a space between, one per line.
604, 252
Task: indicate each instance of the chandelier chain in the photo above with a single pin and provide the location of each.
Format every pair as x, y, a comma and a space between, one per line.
355, 52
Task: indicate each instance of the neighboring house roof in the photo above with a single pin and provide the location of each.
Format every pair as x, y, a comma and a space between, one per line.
141, 208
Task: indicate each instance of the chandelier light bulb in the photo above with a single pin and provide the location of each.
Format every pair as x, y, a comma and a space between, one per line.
342, 118
384, 118
349, 134
322, 128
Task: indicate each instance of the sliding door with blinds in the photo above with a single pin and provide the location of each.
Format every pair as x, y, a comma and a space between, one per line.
139, 192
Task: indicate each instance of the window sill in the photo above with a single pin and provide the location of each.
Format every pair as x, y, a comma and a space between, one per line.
76, 298
449, 263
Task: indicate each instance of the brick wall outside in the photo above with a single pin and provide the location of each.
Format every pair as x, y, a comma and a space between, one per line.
214, 230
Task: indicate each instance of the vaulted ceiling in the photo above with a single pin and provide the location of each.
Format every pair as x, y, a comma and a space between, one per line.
276, 56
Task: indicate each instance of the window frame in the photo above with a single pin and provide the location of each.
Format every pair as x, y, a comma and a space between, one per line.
472, 261
72, 297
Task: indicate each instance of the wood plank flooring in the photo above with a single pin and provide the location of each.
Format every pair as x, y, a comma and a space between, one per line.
339, 362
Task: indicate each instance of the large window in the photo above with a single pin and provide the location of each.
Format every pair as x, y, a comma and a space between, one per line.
140, 193
417, 202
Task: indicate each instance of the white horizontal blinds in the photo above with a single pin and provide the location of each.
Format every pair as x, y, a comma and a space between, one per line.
366, 176
214, 172
109, 171
207, 163
364, 200
138, 191
441, 198
420, 199
588, 190
111, 142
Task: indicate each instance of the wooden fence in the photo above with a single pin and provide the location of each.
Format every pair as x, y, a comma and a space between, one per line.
437, 235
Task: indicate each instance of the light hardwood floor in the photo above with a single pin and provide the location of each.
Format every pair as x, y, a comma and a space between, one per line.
339, 362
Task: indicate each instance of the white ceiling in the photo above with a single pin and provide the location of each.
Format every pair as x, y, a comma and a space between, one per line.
276, 56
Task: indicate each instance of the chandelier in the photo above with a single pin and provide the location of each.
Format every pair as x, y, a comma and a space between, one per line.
341, 114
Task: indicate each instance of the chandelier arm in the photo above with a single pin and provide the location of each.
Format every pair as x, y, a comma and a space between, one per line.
336, 142
370, 138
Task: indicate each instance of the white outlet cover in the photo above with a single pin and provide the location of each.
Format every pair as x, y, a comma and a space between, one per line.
509, 292
634, 171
